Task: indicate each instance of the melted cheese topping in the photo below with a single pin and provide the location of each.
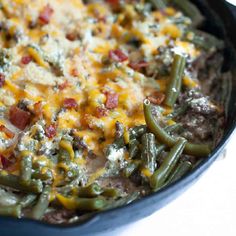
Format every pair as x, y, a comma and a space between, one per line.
69, 59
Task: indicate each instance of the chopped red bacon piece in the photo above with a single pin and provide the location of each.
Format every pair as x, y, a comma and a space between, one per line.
45, 14
63, 85
156, 98
101, 112
38, 109
117, 55
74, 72
112, 100
70, 103
71, 36
26, 60
6, 131
2, 80
138, 65
5, 162
51, 131
19, 117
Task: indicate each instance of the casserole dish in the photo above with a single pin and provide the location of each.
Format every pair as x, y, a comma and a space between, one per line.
147, 205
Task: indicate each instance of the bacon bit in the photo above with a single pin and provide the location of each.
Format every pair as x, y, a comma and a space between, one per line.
6, 131
45, 14
70, 103
112, 100
156, 98
117, 55
102, 19
71, 36
26, 60
138, 65
5, 162
51, 131
74, 72
63, 85
2, 80
38, 109
19, 117
101, 112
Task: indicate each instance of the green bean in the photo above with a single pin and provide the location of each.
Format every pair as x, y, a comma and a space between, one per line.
131, 168
111, 192
190, 10
27, 200
174, 86
90, 204
181, 169
133, 148
204, 40
159, 4
119, 140
12, 181
11, 211
25, 167
47, 175
137, 131
169, 129
179, 111
173, 128
122, 201
92, 190
42, 204
148, 154
70, 186
158, 179
198, 150
160, 149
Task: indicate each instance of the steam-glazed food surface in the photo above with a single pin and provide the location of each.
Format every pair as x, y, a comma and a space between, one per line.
103, 102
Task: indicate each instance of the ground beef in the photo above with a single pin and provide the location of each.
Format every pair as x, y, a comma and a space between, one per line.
59, 216
202, 118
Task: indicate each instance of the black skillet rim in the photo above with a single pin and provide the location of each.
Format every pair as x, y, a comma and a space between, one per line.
163, 196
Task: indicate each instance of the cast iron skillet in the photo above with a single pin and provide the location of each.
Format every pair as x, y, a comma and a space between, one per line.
221, 21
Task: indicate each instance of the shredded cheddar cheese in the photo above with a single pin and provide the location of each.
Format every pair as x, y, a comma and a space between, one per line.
73, 78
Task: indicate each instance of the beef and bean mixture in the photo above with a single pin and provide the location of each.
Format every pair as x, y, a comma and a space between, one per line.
103, 102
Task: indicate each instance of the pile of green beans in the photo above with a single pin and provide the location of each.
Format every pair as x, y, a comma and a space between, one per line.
158, 179
12, 181
198, 150
144, 150
169, 170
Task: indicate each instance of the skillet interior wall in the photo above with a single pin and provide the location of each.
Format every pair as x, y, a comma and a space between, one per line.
219, 23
